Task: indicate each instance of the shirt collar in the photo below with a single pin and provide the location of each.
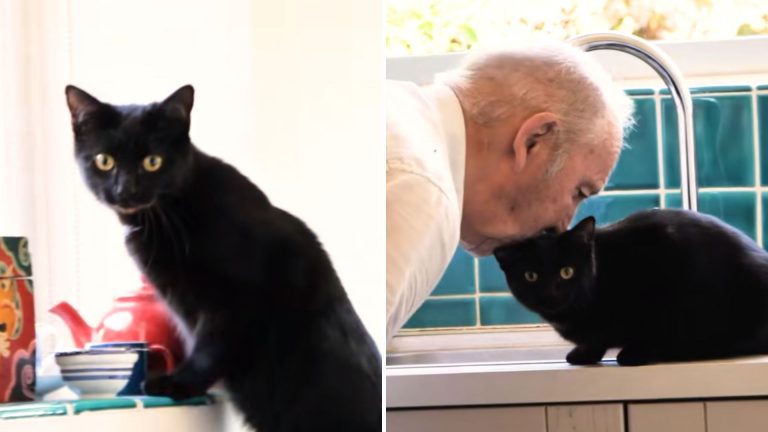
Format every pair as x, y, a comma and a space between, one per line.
452, 117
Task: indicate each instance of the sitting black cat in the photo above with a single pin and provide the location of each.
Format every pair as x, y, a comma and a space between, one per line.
663, 285
249, 281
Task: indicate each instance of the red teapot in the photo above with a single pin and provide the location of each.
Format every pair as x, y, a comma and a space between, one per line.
136, 316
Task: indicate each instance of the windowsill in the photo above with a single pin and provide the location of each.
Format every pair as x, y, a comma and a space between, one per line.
474, 338
124, 414
549, 381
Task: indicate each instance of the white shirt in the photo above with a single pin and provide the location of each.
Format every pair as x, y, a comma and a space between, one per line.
426, 151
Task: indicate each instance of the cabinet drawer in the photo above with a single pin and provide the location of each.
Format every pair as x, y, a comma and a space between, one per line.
495, 419
666, 417
586, 418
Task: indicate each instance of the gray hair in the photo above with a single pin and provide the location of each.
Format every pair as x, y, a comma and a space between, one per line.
554, 77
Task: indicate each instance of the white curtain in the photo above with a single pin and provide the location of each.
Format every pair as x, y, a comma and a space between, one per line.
289, 92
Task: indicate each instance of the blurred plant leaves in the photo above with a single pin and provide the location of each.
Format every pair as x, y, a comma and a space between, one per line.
437, 26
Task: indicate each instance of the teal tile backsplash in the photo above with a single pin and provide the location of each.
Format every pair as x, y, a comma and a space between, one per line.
444, 312
610, 208
732, 168
736, 208
638, 166
459, 277
498, 310
762, 120
724, 141
491, 278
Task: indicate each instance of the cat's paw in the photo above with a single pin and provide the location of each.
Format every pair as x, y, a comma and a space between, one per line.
582, 355
168, 385
629, 356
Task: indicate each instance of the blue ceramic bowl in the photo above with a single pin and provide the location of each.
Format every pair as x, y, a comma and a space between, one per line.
98, 373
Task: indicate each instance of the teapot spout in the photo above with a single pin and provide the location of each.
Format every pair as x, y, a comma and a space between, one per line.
81, 331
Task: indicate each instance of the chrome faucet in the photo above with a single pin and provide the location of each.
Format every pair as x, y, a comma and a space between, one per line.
672, 77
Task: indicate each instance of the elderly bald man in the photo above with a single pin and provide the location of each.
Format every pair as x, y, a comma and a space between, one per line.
503, 148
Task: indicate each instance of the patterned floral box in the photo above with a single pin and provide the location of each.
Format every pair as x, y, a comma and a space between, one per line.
17, 322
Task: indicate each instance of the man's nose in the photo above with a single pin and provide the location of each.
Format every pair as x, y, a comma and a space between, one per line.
562, 226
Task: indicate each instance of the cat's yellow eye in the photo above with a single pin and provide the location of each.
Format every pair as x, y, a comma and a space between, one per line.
566, 272
152, 163
531, 276
104, 161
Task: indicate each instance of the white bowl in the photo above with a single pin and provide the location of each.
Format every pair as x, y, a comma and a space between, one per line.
96, 373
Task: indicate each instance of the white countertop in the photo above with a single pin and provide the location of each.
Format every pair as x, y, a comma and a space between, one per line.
425, 385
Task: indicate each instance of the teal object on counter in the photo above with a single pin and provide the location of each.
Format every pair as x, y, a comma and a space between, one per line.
62, 408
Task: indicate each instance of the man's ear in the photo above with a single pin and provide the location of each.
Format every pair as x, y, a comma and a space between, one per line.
536, 131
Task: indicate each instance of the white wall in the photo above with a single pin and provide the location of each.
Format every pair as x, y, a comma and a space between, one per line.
737, 60
289, 92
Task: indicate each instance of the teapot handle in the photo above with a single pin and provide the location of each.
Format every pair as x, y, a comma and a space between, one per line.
169, 363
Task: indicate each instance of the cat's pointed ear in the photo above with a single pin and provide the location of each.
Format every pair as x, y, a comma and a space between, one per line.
585, 229
179, 104
506, 254
500, 253
80, 103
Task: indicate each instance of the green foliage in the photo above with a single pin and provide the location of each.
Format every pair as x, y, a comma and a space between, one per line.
438, 26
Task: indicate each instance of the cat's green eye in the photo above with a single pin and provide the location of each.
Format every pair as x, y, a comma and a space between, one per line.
566, 272
104, 161
152, 163
531, 276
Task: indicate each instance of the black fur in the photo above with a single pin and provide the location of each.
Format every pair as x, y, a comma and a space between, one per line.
663, 285
249, 281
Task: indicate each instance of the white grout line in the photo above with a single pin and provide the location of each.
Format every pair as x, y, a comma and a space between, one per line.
622, 192
731, 189
713, 94
475, 296
759, 195
477, 292
633, 192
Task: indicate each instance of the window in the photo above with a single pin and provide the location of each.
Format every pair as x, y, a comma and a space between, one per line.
439, 26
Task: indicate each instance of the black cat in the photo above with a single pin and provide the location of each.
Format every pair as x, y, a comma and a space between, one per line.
249, 281
663, 285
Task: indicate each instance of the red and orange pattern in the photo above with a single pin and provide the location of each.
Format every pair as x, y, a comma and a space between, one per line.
17, 322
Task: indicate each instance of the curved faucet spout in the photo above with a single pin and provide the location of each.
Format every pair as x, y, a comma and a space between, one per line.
672, 77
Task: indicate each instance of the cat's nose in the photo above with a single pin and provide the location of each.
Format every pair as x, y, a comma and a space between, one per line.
125, 189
